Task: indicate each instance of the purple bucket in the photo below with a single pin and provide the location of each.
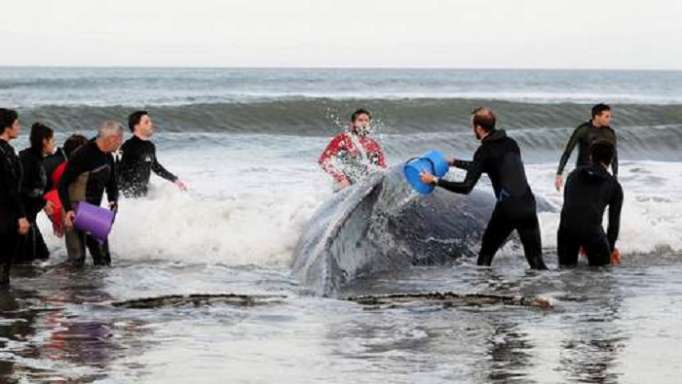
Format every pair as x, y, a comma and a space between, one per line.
93, 220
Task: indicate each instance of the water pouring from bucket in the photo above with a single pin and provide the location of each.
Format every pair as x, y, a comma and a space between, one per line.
93, 220
433, 162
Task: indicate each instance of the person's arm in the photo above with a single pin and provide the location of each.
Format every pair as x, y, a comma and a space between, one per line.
327, 156
474, 171
615, 206
614, 162
570, 146
160, 170
12, 186
112, 184
462, 164
72, 170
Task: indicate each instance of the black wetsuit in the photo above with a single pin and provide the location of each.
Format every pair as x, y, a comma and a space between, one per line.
88, 174
588, 191
33, 187
136, 165
583, 137
11, 207
500, 157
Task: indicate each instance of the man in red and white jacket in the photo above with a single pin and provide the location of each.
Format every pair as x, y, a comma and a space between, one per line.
352, 155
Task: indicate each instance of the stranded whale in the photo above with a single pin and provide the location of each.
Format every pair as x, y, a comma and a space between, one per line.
380, 225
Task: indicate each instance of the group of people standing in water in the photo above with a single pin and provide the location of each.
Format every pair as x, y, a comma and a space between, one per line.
589, 189
84, 169
81, 170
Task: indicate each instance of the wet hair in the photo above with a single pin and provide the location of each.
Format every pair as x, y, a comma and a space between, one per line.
602, 152
7, 118
484, 118
599, 108
39, 133
72, 144
134, 119
358, 112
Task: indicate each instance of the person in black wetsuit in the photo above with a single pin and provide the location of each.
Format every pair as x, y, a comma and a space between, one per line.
589, 189
13, 220
139, 158
34, 185
500, 157
597, 129
89, 172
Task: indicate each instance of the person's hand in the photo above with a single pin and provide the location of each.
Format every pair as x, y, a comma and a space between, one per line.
615, 257
180, 184
559, 182
49, 208
69, 218
427, 178
343, 184
24, 226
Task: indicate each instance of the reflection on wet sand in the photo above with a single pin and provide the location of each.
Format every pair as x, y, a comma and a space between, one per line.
49, 335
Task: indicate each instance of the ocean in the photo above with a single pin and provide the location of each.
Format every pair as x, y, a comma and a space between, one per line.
247, 141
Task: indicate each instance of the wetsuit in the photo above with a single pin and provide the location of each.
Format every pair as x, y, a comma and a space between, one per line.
87, 175
136, 165
500, 157
583, 137
33, 187
588, 191
11, 207
350, 157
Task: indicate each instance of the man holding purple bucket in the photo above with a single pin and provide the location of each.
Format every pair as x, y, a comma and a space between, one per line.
89, 173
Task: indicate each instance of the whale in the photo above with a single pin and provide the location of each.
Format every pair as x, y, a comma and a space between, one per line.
380, 224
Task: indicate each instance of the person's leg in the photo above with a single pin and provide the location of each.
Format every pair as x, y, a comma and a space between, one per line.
99, 251
529, 232
495, 235
75, 246
598, 250
9, 240
40, 248
568, 248
31, 246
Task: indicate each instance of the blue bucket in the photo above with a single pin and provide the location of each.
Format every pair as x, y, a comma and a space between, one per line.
433, 162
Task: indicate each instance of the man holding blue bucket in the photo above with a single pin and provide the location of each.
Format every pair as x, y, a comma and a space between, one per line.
500, 157
88, 174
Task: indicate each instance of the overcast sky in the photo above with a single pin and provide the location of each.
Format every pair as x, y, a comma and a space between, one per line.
344, 33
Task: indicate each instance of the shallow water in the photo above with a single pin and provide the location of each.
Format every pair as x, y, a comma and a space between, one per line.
252, 189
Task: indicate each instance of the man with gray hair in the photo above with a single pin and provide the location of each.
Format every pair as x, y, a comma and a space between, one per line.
89, 173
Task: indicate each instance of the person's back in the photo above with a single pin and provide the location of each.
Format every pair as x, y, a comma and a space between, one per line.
501, 158
589, 190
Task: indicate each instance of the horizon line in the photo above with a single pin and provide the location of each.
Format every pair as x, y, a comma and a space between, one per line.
620, 69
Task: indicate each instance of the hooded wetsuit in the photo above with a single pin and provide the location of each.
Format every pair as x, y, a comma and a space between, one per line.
11, 207
34, 185
583, 137
136, 165
588, 191
500, 157
344, 161
88, 174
